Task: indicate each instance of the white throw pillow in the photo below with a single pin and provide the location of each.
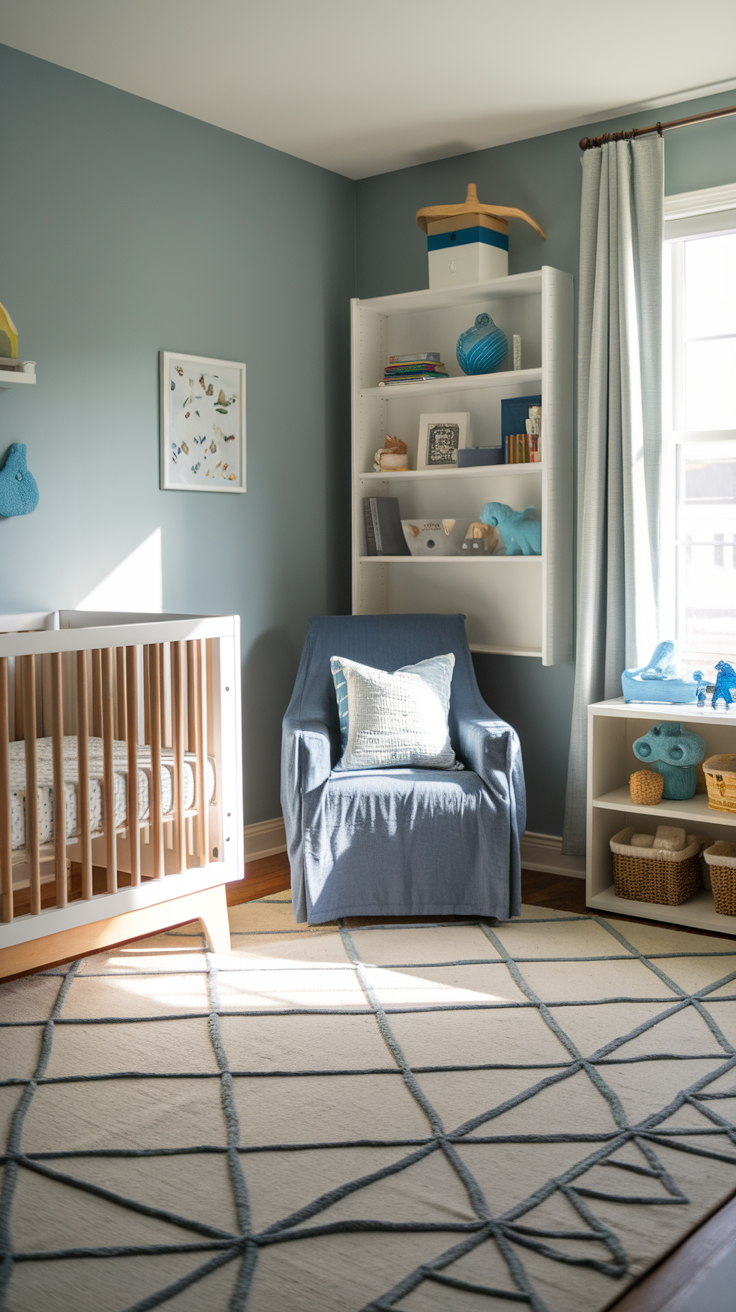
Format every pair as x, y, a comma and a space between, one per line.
392, 720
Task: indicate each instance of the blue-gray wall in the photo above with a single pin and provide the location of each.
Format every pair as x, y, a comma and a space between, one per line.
128, 228
543, 177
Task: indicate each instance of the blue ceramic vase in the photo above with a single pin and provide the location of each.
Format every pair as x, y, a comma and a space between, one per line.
482, 348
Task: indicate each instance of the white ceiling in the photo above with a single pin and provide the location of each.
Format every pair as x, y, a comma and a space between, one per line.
368, 86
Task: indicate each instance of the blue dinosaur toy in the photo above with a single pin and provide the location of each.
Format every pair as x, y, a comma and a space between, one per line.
18, 487
659, 681
673, 751
520, 530
725, 685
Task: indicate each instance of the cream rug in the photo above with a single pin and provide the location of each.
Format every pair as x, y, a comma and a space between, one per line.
421, 1118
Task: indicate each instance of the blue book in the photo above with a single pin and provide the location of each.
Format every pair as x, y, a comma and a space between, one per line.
514, 414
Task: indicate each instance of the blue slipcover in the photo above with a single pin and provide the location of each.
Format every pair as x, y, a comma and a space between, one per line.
399, 842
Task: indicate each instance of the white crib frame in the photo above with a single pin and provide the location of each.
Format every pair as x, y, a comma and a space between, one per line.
177, 885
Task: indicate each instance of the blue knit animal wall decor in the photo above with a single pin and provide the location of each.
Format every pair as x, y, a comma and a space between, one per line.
520, 530
673, 751
18, 487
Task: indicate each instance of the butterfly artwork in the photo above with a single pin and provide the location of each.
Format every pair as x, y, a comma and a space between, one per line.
196, 454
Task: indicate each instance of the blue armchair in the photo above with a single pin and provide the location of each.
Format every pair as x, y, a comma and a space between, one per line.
403, 842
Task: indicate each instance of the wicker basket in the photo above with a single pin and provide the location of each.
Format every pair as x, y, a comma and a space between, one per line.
721, 858
646, 787
720, 778
650, 875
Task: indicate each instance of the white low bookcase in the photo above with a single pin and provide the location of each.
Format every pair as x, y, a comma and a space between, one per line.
612, 728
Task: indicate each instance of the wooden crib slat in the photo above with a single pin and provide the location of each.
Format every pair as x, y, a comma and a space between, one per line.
108, 778
31, 800
6, 846
120, 699
155, 810
57, 751
95, 657
83, 821
202, 800
18, 708
177, 715
191, 698
134, 833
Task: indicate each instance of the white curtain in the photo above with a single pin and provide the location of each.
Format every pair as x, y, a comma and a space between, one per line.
619, 434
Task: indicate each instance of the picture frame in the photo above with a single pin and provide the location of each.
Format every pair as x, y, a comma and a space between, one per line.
440, 439
202, 427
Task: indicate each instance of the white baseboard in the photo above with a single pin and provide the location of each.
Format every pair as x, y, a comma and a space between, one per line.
538, 851
265, 839
543, 852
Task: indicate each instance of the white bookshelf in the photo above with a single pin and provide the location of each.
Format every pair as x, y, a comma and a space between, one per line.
612, 728
518, 605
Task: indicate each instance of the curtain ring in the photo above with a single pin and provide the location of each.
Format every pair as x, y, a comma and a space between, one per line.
659, 128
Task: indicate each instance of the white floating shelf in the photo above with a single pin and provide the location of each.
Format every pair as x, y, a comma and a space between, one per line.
465, 383
505, 651
447, 560
477, 471
13, 378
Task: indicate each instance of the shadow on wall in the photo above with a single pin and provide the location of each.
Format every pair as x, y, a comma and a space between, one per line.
269, 670
136, 584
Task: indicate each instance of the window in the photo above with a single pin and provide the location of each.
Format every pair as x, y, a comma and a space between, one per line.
699, 417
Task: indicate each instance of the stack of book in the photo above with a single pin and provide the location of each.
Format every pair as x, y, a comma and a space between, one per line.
422, 368
521, 412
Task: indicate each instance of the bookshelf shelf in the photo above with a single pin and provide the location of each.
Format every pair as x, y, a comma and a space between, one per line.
12, 378
518, 605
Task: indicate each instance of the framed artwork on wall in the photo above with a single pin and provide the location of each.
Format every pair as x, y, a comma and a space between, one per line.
440, 439
202, 434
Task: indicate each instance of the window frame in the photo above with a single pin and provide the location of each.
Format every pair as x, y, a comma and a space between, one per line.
689, 214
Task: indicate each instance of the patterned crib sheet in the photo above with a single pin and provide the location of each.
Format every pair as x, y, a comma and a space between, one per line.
45, 786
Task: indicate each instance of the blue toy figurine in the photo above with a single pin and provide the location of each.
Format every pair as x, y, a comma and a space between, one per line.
482, 348
520, 530
18, 487
659, 681
725, 685
673, 751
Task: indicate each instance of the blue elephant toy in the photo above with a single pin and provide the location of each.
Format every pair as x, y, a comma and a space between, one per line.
673, 751
725, 688
520, 530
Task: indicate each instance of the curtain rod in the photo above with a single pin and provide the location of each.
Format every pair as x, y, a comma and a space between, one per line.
587, 143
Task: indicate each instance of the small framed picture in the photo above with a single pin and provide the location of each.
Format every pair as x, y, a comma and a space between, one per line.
440, 439
202, 424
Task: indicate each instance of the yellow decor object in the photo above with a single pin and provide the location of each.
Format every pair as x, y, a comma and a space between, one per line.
491, 216
8, 335
646, 787
720, 777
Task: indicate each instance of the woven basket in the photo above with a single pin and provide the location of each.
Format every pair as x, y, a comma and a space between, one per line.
668, 880
721, 858
720, 778
646, 787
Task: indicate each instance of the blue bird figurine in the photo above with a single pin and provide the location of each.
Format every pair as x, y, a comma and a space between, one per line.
18, 487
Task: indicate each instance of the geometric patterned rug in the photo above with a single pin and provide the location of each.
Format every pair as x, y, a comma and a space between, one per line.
350, 1118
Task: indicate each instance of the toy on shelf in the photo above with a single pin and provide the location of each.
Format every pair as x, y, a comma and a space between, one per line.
8, 338
18, 487
468, 242
725, 685
659, 681
673, 751
646, 787
391, 456
520, 530
480, 540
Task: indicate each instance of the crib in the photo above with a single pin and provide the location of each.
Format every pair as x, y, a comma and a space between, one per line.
120, 780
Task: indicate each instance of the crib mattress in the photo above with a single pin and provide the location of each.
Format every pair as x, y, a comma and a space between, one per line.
45, 786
